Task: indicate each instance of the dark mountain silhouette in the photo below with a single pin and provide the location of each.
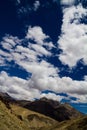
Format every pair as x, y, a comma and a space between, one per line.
53, 109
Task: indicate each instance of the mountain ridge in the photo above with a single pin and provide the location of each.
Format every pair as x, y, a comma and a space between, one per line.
14, 116
47, 107
53, 109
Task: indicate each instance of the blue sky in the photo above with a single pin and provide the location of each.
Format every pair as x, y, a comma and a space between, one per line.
43, 46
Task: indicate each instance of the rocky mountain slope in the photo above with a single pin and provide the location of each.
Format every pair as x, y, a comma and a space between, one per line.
53, 109
74, 124
13, 115
48, 107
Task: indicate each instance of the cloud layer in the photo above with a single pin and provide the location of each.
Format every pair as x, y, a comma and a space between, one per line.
31, 54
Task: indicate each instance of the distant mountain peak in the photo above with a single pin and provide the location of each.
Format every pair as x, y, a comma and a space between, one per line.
53, 109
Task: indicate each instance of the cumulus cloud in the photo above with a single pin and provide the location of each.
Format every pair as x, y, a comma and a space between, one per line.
29, 58
31, 88
17, 87
73, 40
36, 34
52, 96
9, 42
44, 76
11, 85
29, 55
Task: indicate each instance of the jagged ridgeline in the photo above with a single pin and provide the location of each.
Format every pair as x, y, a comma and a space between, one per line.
49, 115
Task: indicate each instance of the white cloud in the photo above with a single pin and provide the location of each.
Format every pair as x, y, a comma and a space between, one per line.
80, 98
27, 8
9, 42
74, 36
67, 2
27, 56
36, 5
40, 49
85, 77
17, 87
31, 88
52, 96
36, 34
44, 74
2, 61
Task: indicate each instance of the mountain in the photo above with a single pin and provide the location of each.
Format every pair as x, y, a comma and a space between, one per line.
13, 115
48, 107
53, 109
16, 117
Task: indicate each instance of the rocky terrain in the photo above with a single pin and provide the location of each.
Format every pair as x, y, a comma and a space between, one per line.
49, 115
53, 109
